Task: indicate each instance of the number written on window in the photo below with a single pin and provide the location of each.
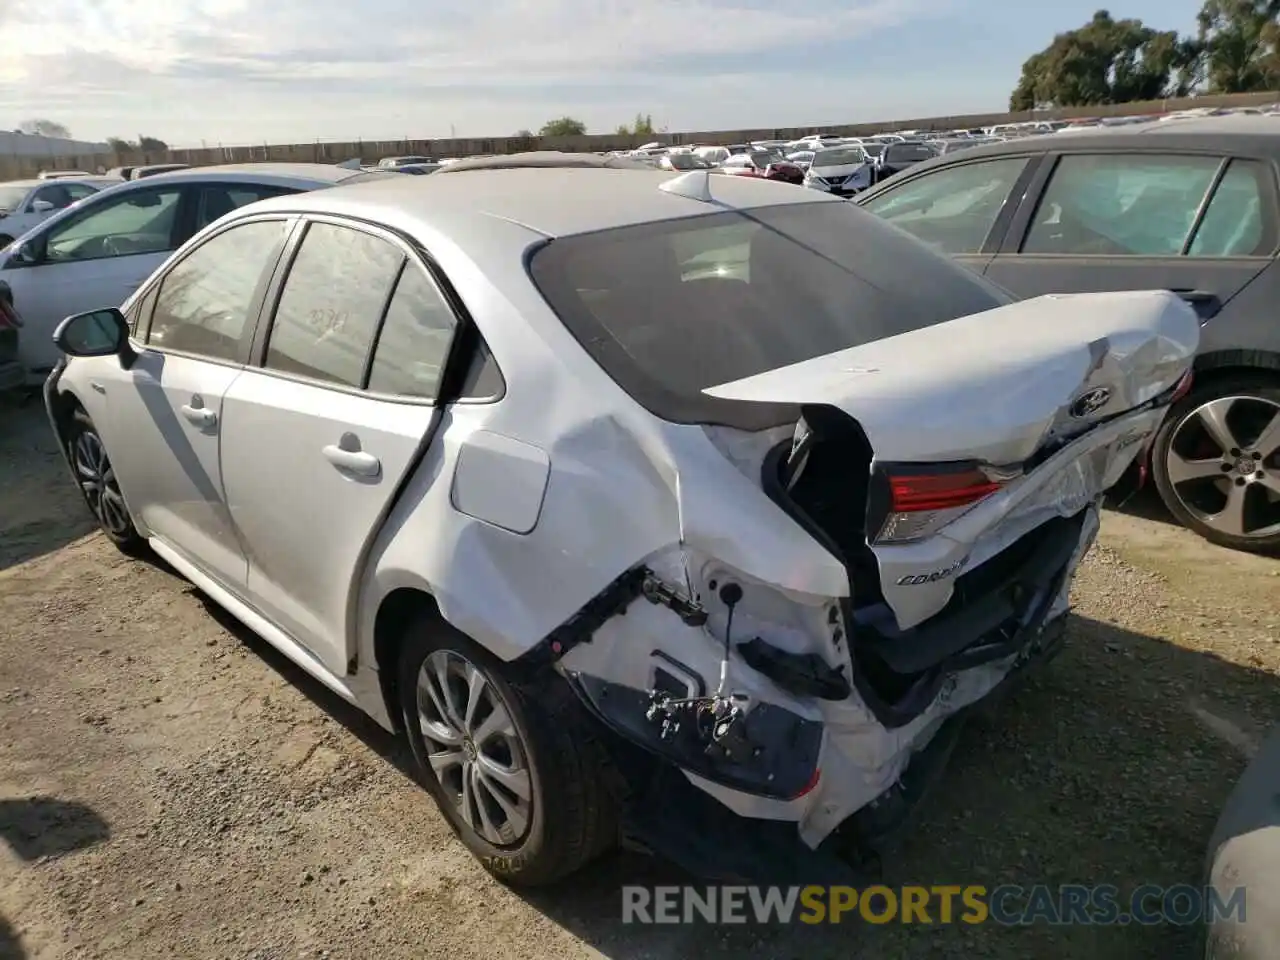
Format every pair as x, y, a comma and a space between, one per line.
331, 302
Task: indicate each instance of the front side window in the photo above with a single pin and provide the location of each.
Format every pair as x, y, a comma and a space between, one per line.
952, 209
1236, 223
140, 221
415, 338
332, 300
671, 308
1117, 205
203, 304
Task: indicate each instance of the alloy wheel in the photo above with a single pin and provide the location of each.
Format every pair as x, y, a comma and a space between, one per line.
474, 748
98, 483
1223, 465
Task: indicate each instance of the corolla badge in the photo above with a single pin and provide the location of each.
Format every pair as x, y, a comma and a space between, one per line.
1089, 402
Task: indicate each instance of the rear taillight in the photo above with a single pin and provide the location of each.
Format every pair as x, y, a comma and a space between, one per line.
914, 494
923, 501
9, 319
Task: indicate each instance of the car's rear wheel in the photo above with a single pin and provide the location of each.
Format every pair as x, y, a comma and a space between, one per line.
1216, 462
514, 774
5, 240
99, 486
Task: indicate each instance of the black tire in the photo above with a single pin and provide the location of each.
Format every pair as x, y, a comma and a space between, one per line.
1259, 387
113, 519
572, 817
5, 240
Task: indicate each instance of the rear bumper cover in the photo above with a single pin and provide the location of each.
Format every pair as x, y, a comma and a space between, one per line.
667, 813
811, 781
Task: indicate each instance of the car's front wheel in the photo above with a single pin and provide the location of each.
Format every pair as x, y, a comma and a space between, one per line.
516, 775
1216, 462
5, 240
99, 486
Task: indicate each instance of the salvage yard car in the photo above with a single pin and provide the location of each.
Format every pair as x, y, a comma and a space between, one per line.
620, 543
1191, 206
25, 203
99, 250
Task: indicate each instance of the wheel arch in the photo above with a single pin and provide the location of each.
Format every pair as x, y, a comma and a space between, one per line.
1210, 367
397, 611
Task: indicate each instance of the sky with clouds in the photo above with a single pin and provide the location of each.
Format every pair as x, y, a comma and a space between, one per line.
248, 71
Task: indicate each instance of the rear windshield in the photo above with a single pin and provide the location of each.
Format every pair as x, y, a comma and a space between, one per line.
670, 308
908, 152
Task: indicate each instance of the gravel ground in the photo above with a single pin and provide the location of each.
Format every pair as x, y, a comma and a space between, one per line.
170, 786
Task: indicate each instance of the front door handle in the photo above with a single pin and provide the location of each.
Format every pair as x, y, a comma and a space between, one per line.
200, 416
353, 461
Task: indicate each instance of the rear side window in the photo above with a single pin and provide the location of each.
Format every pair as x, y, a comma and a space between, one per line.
954, 208
671, 308
333, 297
204, 302
217, 200
414, 342
1236, 222
1117, 205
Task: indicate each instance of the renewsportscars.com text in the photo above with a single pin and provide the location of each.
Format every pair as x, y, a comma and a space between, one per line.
1008, 905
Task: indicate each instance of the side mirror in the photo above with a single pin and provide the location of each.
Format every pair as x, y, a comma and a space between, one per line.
98, 333
41, 206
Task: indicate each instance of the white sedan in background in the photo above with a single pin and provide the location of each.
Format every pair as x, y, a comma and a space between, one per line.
100, 250
25, 203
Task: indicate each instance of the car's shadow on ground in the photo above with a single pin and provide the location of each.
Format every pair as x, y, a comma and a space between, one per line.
1144, 504
44, 828
1125, 742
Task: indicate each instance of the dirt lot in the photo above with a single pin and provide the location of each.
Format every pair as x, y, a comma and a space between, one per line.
169, 786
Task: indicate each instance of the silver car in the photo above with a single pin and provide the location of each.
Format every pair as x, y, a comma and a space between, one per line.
614, 536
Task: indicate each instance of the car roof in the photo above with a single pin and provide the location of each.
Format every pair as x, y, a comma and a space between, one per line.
1248, 132
552, 201
313, 172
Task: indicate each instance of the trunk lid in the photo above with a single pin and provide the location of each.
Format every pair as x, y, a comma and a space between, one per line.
996, 386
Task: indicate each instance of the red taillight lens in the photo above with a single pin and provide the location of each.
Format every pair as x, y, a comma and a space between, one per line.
942, 491
1182, 388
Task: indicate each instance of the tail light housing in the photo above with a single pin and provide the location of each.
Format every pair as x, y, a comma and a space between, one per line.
918, 500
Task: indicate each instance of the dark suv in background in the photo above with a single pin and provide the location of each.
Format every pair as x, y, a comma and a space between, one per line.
1189, 205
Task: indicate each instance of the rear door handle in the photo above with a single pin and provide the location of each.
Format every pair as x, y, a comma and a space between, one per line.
200, 416
353, 461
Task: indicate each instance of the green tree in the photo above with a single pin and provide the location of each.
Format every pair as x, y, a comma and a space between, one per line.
152, 145
1240, 44
642, 127
563, 127
1105, 61
120, 146
46, 128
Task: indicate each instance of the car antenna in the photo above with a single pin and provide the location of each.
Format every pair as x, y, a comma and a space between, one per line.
694, 185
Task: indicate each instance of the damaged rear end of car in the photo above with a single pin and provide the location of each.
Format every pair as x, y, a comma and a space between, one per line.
778, 701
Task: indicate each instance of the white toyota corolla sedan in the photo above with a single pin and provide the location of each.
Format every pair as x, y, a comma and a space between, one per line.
694, 507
